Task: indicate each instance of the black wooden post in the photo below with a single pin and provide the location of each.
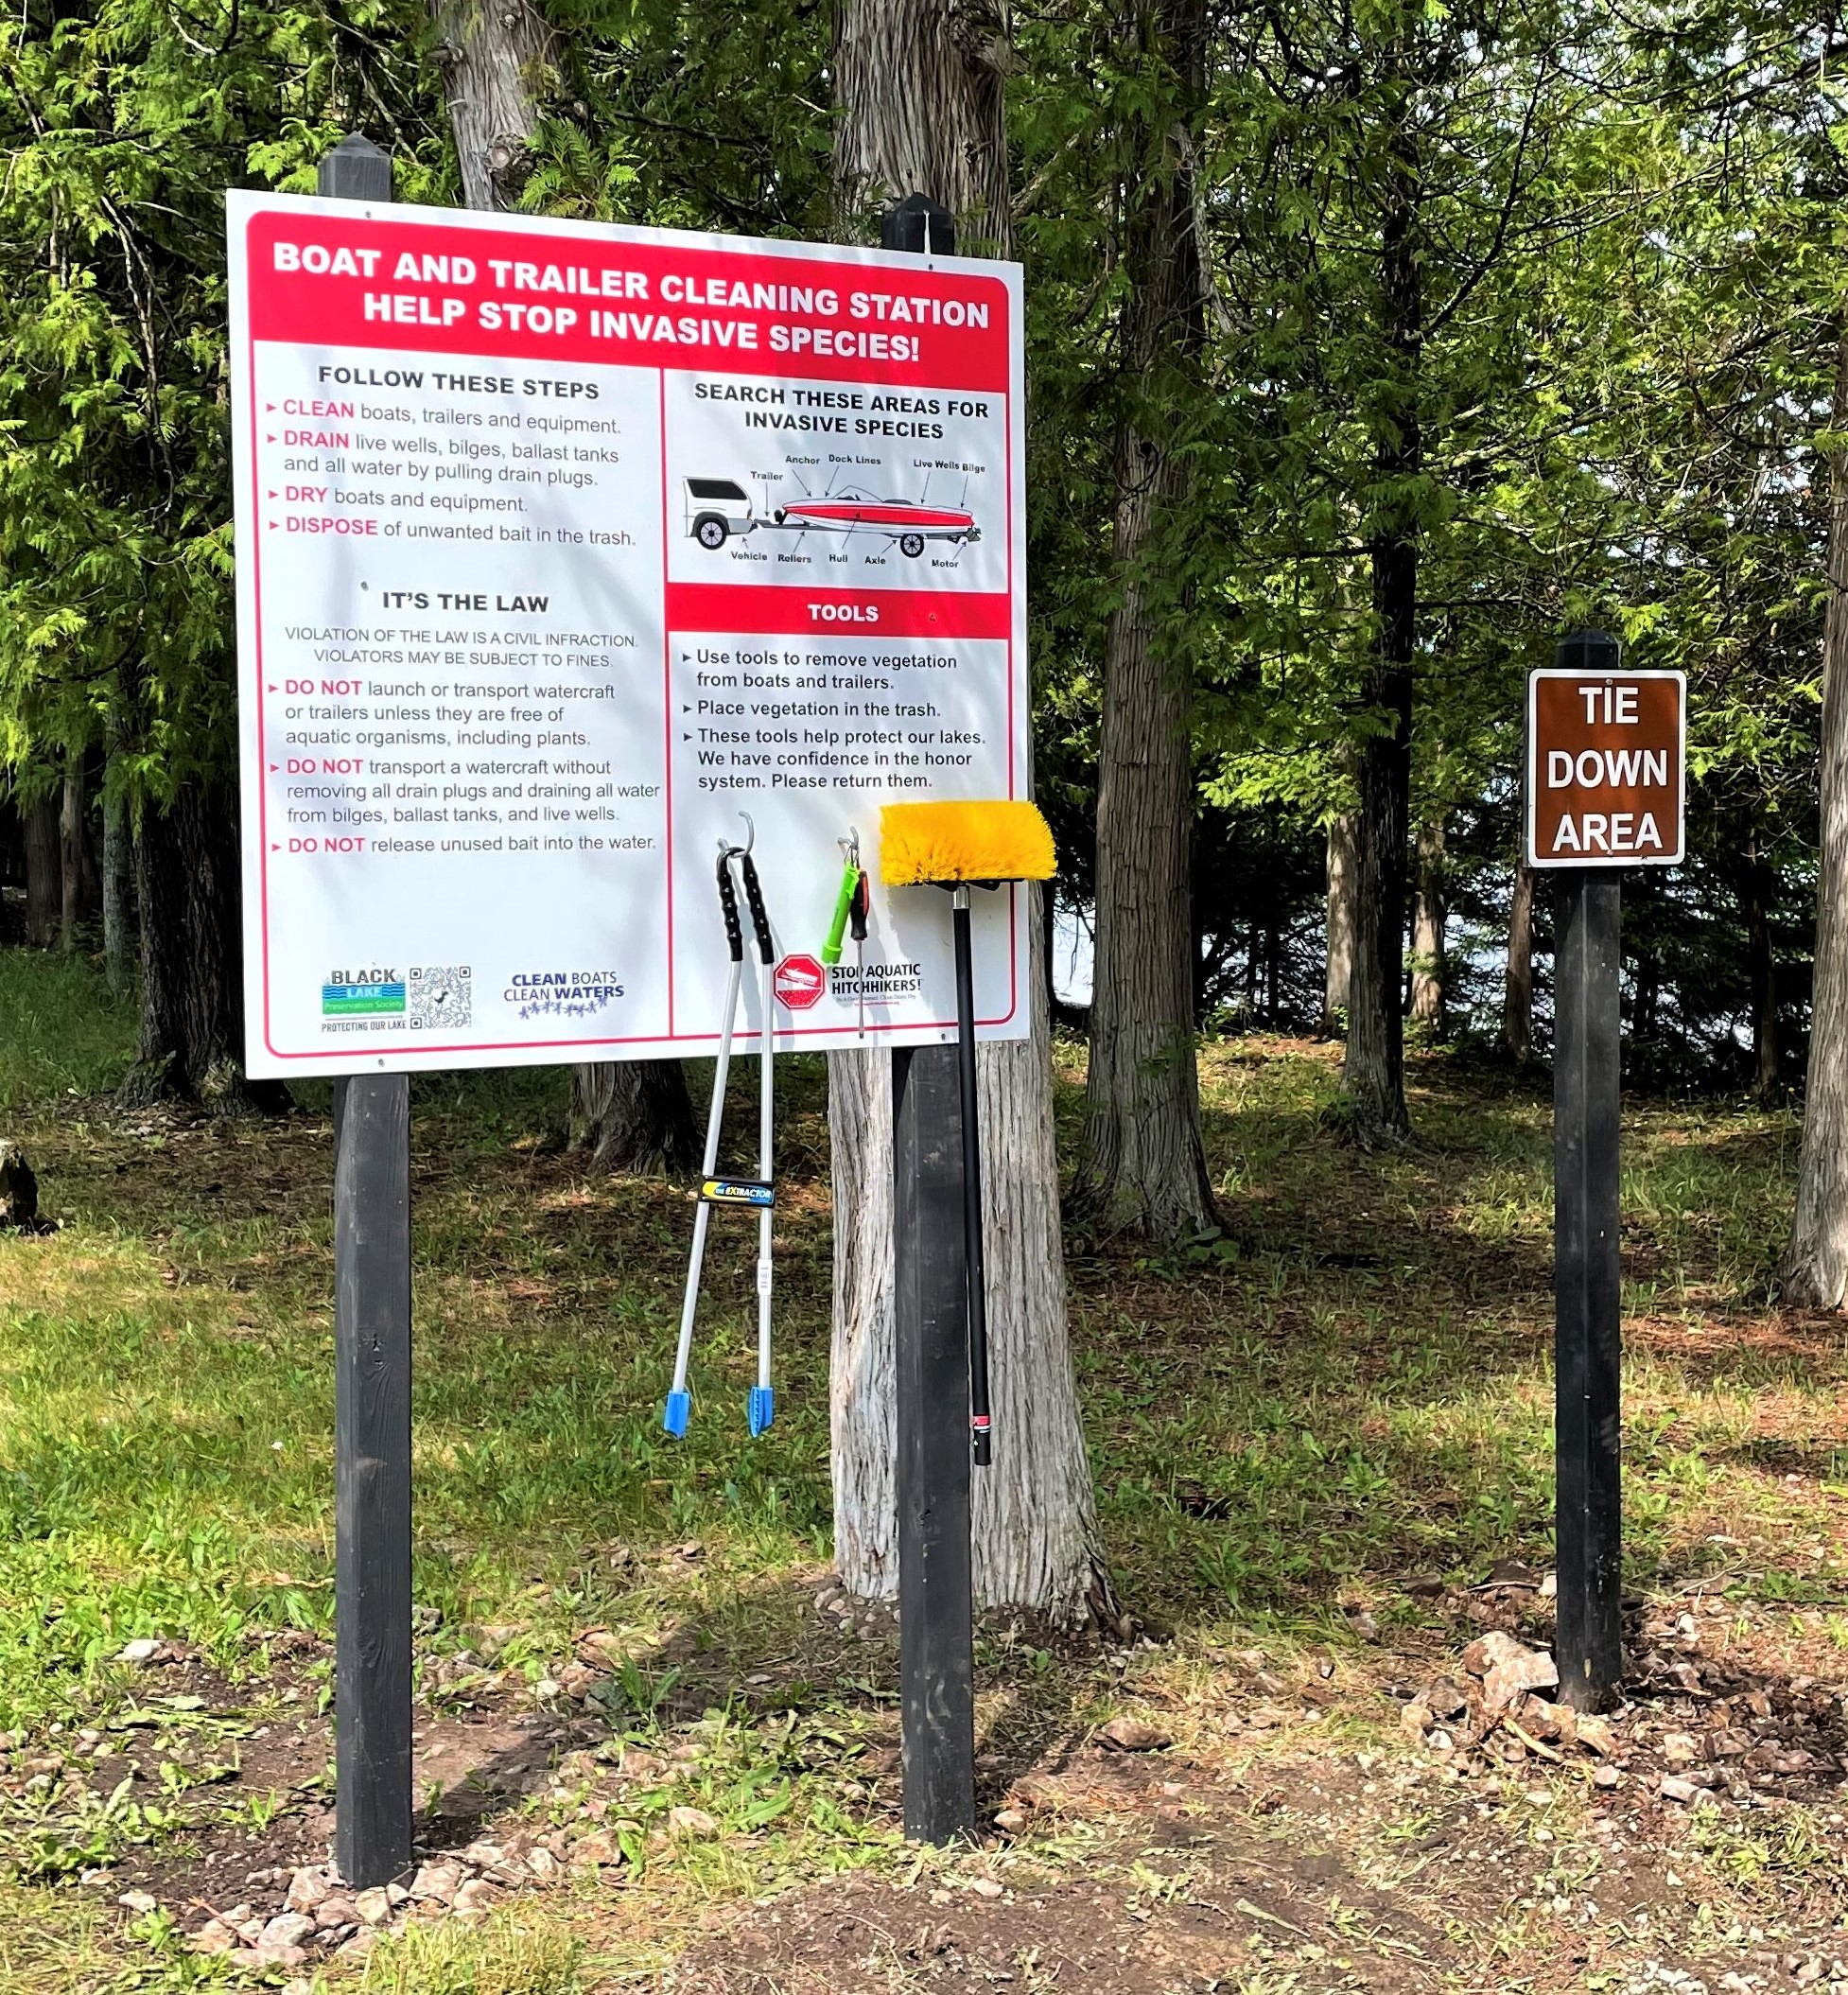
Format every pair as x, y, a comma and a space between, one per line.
372, 1399
1586, 1263
936, 1639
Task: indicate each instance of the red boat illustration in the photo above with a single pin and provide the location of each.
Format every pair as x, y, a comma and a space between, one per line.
901, 520
718, 508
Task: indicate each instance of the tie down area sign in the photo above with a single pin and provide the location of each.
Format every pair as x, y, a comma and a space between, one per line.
1606, 757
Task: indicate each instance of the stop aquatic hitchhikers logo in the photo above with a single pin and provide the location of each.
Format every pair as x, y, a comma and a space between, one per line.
363, 993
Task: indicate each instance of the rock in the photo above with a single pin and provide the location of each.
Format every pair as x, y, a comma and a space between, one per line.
1680, 1748
542, 1863
374, 1906
264, 1955
19, 1189
1445, 1699
1488, 1651
1415, 1719
357, 1948
986, 1887
336, 1910
690, 1822
144, 1649
475, 1897
687, 1552
141, 1901
1010, 1821
437, 1881
1130, 1735
214, 1937
547, 1689
595, 1849
577, 1681
287, 1929
308, 1888
1675, 1788
1728, 1745
1606, 1776
1597, 1733
1516, 1670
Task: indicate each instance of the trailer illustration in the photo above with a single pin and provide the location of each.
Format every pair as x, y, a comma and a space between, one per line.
718, 508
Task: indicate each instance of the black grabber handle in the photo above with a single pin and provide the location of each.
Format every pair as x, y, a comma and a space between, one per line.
759, 920
728, 904
857, 908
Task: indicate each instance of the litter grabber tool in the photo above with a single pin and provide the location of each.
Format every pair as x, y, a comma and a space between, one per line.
849, 918
759, 1192
958, 846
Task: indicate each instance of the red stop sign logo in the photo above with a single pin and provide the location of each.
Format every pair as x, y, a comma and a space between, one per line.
799, 982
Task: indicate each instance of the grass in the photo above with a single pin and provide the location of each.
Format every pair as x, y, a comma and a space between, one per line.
1352, 1389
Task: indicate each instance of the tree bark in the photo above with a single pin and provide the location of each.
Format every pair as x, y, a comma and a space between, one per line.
633, 1116
1141, 1164
118, 861
919, 87
493, 56
1518, 986
44, 886
1759, 884
1815, 1268
1340, 925
1428, 970
73, 840
192, 987
1375, 1069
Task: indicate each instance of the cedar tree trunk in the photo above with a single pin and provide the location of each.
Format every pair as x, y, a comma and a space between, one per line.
633, 1115
1375, 1069
1141, 1165
1518, 986
491, 56
44, 886
1815, 1268
918, 95
1340, 925
1428, 930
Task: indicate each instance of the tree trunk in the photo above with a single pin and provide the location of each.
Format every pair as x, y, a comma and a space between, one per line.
918, 89
1759, 884
493, 56
44, 885
192, 988
634, 1116
1375, 1069
1142, 1165
73, 838
119, 859
1340, 925
1518, 987
1815, 1268
1428, 975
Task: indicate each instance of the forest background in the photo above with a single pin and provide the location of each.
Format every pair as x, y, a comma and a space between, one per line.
1370, 346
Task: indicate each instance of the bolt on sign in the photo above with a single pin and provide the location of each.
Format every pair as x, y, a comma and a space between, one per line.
1606, 767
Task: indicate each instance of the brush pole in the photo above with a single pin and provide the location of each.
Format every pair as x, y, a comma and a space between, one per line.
973, 1257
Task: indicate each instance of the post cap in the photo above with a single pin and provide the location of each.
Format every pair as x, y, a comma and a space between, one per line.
1587, 651
356, 169
921, 226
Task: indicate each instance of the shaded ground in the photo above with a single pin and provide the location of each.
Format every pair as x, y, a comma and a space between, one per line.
1324, 1457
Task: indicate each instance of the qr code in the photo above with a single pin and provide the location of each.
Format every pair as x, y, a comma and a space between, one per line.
442, 998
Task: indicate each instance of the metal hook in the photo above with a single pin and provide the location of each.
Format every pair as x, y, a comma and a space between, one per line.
750, 833
850, 846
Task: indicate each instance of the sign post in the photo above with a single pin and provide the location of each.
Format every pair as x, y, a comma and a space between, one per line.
931, 1324
1605, 760
563, 547
373, 1833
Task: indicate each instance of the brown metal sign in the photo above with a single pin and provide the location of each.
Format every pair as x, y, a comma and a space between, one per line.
1606, 767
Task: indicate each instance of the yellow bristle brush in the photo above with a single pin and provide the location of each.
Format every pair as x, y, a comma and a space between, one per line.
958, 846
941, 844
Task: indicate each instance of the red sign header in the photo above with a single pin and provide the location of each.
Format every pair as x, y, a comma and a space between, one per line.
359, 281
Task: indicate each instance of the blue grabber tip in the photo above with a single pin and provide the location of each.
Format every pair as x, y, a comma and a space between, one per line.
763, 1408
680, 1410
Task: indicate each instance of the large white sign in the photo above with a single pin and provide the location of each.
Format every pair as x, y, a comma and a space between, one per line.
563, 550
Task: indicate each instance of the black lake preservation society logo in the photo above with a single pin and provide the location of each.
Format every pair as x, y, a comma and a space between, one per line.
426, 998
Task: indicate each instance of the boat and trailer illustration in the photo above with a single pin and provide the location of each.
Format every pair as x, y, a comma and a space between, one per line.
717, 508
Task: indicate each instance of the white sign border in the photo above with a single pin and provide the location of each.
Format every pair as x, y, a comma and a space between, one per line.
1579, 672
